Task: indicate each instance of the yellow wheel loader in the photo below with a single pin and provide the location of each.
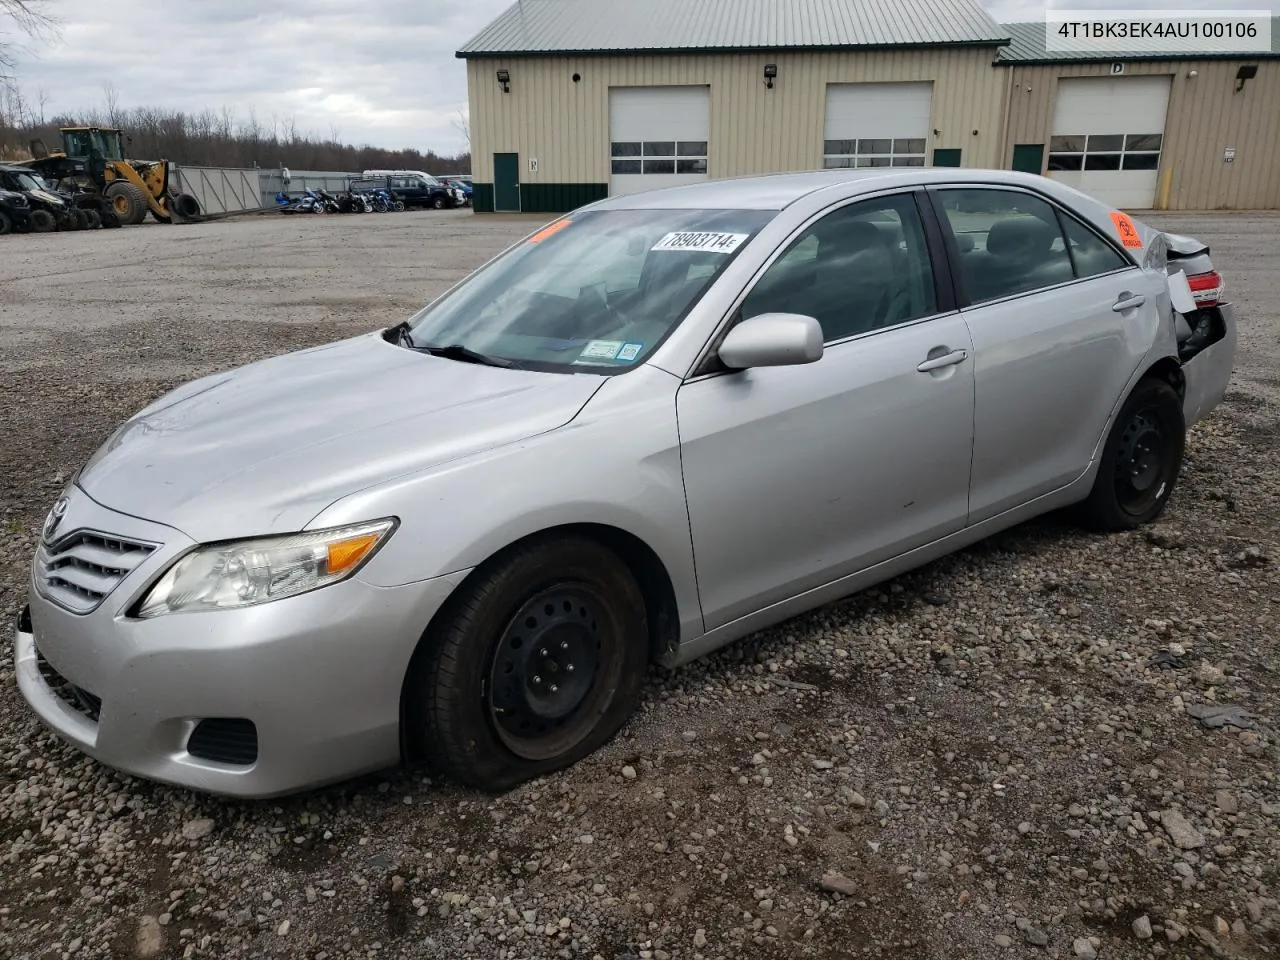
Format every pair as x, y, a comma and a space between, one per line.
92, 159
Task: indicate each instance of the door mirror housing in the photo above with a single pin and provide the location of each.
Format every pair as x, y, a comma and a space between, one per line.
772, 340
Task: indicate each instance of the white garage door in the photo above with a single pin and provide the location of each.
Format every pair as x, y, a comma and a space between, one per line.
1107, 135
876, 124
659, 136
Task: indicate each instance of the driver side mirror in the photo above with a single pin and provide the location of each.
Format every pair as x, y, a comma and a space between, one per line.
772, 340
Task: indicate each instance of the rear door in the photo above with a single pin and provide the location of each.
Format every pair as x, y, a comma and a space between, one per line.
1061, 319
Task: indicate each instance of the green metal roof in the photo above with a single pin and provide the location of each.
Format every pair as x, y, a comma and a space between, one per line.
558, 27
1029, 47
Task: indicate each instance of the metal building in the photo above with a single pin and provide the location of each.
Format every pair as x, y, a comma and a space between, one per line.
571, 100
1193, 132
574, 100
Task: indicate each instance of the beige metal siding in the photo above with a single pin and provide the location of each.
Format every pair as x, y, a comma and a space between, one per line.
565, 125
1206, 115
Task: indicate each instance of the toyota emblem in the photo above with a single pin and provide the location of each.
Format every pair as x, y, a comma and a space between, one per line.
55, 517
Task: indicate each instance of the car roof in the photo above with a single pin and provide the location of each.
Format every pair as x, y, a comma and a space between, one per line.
779, 190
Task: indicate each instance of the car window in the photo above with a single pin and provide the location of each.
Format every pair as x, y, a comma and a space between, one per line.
863, 267
1009, 242
1090, 254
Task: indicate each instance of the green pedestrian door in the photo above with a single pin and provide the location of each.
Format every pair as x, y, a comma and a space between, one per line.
506, 182
1028, 157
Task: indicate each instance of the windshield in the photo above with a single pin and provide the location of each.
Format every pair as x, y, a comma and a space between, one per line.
596, 291
30, 181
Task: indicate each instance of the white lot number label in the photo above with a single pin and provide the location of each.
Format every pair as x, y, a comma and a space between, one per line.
701, 242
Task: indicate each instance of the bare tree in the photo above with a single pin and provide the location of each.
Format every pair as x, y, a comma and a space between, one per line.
111, 100
30, 19
462, 123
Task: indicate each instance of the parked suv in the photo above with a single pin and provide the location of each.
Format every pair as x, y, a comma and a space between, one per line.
15, 212
414, 190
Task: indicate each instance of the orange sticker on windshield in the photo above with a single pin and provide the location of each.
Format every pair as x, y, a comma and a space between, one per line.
1126, 231
550, 230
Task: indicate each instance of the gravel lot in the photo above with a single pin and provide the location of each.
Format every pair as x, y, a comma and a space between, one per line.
981, 751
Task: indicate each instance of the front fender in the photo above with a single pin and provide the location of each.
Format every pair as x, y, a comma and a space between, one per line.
616, 465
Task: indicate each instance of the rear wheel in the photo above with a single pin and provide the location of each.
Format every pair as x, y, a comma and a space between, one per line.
128, 202
1141, 461
92, 220
535, 665
42, 221
438, 203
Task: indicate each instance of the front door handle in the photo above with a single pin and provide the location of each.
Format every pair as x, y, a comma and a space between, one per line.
1128, 302
946, 360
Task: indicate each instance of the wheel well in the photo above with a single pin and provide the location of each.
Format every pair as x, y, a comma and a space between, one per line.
650, 573
1169, 370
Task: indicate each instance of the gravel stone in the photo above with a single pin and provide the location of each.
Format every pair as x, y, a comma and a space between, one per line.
1002, 763
1142, 927
1083, 949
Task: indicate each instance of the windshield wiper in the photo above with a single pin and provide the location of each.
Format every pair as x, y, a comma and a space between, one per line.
456, 351
400, 335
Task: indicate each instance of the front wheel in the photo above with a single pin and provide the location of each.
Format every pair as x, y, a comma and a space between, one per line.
534, 665
42, 221
1141, 461
438, 203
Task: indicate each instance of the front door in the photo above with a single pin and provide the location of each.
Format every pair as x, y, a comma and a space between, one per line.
797, 476
1057, 335
506, 182
1028, 157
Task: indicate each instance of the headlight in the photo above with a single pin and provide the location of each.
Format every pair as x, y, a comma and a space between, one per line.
249, 572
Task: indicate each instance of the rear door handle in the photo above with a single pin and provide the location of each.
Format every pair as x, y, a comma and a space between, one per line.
1127, 302
946, 360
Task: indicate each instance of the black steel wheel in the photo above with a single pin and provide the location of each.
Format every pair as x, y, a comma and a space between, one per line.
1141, 460
536, 662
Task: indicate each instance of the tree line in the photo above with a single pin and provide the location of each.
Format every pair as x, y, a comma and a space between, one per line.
215, 138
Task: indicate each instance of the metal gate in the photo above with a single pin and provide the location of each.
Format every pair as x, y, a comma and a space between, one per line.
222, 189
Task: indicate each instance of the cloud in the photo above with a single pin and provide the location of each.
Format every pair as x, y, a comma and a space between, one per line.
380, 72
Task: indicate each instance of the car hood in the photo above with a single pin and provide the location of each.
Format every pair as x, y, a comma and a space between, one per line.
264, 448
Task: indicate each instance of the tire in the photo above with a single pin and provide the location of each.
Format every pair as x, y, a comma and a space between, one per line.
92, 219
78, 219
495, 735
185, 206
438, 203
128, 202
1140, 462
399, 206
109, 220
42, 221
6, 224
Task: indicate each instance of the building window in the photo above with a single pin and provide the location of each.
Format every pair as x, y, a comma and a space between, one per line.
874, 153
1106, 151
659, 156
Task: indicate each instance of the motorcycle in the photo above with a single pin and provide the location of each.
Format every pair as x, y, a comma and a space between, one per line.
309, 202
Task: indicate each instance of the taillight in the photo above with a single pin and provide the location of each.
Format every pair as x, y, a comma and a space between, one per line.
1206, 288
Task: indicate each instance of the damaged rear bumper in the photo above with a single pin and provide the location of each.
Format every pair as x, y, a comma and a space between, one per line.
1208, 371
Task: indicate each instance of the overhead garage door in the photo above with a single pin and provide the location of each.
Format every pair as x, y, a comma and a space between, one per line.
876, 124
659, 136
1107, 136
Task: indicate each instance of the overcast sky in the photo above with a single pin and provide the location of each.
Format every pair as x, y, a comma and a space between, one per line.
376, 71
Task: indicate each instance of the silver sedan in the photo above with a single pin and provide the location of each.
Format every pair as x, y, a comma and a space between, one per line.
655, 425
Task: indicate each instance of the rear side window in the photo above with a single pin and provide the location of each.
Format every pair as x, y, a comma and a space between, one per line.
1089, 253
1010, 243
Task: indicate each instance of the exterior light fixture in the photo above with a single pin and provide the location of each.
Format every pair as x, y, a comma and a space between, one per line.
1245, 74
770, 74
504, 78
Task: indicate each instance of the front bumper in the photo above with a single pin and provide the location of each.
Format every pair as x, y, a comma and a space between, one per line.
318, 676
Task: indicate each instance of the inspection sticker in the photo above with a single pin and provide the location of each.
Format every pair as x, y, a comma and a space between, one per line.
1126, 231
701, 242
630, 351
600, 350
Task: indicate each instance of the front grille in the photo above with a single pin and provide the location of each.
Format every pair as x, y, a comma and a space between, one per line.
78, 571
225, 740
78, 698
